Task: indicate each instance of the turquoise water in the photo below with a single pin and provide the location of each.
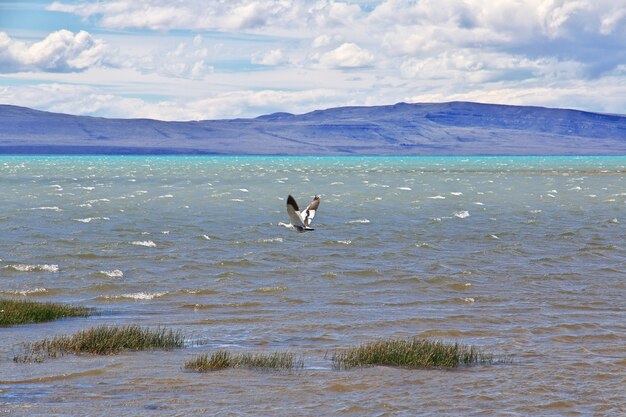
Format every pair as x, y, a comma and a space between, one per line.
521, 256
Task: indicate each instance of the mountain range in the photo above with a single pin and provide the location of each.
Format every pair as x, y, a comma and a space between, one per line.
455, 128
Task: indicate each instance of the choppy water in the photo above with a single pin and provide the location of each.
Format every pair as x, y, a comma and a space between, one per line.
523, 257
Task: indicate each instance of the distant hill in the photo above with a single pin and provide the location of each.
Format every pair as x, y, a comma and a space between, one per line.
456, 128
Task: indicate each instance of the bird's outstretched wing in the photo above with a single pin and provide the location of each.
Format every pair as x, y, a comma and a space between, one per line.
294, 212
309, 212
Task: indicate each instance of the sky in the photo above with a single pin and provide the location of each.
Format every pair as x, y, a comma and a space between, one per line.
222, 59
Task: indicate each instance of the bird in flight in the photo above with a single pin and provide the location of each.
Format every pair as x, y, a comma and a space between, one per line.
301, 220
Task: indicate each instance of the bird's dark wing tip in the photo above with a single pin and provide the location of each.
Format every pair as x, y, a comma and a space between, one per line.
292, 202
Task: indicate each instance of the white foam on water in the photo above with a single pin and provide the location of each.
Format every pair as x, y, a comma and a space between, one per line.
115, 273
336, 183
166, 196
437, 197
90, 219
139, 295
206, 237
361, 221
494, 237
271, 240
51, 208
344, 242
237, 200
536, 211
469, 300
272, 289
26, 292
87, 188
404, 188
478, 203
165, 232
456, 193
243, 190
461, 214
146, 243
34, 268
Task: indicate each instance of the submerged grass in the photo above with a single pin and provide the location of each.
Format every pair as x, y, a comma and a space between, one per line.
102, 340
13, 312
409, 353
223, 359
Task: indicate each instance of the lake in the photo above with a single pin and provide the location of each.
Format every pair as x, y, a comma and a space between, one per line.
523, 257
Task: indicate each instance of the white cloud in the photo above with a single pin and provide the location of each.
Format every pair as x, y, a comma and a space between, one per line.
273, 57
85, 100
363, 51
347, 55
184, 61
61, 51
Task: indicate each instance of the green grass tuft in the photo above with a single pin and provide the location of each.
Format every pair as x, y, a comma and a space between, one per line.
223, 359
409, 353
14, 312
102, 340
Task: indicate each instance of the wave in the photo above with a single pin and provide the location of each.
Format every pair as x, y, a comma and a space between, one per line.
461, 214
146, 243
90, 219
51, 208
26, 292
33, 268
271, 240
115, 273
362, 221
136, 296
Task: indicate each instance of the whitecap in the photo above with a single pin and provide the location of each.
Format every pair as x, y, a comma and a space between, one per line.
404, 188
237, 200
33, 268
478, 203
146, 243
536, 211
51, 208
166, 196
362, 221
115, 273
140, 295
272, 240
336, 183
494, 236
469, 300
456, 193
271, 289
461, 214
27, 291
90, 219
206, 237
344, 242
437, 197
243, 190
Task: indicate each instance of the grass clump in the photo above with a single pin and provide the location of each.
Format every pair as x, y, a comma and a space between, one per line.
223, 359
409, 353
14, 312
103, 340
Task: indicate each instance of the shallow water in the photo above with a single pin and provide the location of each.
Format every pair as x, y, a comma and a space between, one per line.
522, 257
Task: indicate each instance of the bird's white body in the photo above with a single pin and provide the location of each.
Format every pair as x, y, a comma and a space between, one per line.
300, 220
